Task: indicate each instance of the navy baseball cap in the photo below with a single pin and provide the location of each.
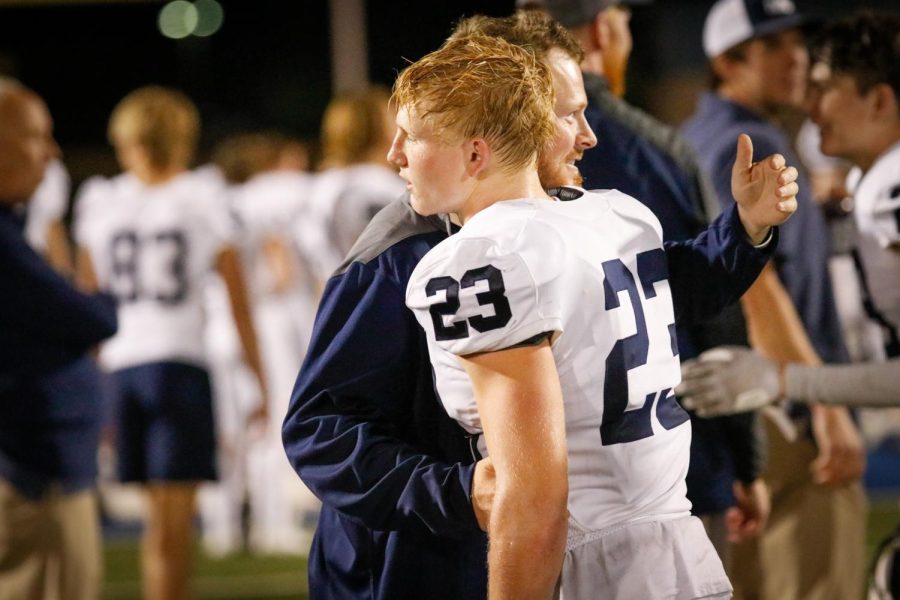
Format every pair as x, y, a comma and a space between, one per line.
571, 13
731, 22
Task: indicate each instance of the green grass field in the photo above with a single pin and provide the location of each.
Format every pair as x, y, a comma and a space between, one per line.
243, 576
250, 577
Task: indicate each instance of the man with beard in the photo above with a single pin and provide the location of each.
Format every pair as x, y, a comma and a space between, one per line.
402, 493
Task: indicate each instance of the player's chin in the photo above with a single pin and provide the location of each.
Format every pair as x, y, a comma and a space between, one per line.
420, 206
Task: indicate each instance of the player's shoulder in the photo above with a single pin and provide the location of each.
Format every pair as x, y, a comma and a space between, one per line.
510, 236
884, 176
624, 206
100, 193
204, 182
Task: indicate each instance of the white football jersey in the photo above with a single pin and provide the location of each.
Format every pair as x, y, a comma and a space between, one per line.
591, 271
152, 246
268, 205
342, 201
49, 203
876, 198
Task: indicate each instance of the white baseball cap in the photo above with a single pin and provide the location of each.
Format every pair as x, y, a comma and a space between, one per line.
731, 22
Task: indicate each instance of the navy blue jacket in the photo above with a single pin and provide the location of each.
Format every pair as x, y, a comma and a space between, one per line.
50, 400
802, 256
650, 161
368, 435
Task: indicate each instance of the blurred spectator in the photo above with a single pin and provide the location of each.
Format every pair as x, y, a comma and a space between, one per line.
50, 397
813, 544
356, 179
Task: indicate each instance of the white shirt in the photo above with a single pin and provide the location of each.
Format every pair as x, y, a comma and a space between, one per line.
593, 272
152, 247
49, 204
876, 197
268, 205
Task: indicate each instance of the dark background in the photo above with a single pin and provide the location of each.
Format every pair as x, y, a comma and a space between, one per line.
269, 64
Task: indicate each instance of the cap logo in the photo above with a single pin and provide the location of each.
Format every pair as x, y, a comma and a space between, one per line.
779, 7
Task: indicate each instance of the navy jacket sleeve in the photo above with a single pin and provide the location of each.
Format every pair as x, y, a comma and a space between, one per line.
37, 302
365, 430
711, 271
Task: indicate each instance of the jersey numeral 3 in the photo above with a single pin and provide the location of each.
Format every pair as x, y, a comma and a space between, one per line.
126, 249
495, 296
619, 425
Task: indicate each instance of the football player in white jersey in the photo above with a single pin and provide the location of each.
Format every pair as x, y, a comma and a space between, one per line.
151, 235
855, 100
498, 300
355, 182
268, 204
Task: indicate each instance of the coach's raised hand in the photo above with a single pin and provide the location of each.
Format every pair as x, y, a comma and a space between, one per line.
766, 191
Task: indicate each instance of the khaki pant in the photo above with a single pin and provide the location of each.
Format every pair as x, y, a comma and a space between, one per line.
813, 547
49, 548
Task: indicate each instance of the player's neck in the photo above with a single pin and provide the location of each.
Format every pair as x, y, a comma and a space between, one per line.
501, 186
884, 140
151, 176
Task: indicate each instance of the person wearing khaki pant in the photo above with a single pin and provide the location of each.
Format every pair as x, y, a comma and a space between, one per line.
50, 395
49, 547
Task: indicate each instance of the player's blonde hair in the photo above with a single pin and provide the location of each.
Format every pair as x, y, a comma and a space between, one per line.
531, 29
162, 121
480, 86
354, 125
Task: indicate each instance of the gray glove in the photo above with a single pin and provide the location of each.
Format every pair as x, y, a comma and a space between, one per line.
728, 380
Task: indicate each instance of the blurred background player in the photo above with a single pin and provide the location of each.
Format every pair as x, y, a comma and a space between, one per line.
355, 180
153, 234
268, 194
813, 544
50, 394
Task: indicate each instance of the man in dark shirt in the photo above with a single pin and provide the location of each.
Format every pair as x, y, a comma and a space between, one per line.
49, 386
813, 547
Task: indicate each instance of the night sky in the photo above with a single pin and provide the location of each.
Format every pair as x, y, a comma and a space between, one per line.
269, 65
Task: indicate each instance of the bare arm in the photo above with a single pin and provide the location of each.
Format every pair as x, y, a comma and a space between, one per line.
776, 332
521, 409
279, 261
774, 327
59, 254
229, 267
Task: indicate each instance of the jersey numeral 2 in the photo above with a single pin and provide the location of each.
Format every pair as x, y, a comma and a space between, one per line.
125, 250
495, 295
620, 425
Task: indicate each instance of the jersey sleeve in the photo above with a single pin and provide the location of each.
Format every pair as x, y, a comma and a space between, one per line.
87, 208
215, 211
473, 295
886, 215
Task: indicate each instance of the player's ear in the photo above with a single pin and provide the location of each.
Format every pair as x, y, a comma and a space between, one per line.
884, 102
479, 157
